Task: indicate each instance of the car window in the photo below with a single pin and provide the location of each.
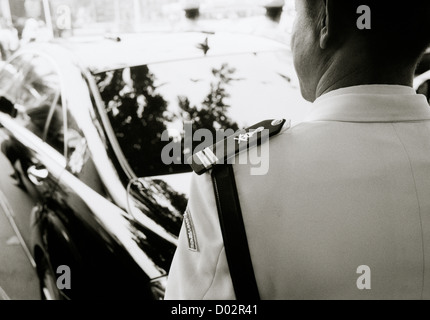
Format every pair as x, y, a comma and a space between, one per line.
12, 75
76, 146
79, 162
40, 85
146, 103
53, 126
37, 98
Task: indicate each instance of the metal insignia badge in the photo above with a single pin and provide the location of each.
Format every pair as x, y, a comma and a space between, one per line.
191, 233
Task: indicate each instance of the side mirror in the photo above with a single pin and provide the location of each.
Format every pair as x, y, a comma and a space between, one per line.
7, 107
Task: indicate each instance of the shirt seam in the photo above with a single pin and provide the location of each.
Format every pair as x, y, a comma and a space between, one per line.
214, 274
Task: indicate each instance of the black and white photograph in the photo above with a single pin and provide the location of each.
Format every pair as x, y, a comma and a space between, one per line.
229, 151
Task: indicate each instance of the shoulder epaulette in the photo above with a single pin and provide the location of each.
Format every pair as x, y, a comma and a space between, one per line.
223, 151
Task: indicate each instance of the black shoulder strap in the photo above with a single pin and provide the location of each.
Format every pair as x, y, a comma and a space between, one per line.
234, 234
228, 204
225, 150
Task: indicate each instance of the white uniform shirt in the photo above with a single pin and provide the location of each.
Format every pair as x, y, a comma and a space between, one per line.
349, 187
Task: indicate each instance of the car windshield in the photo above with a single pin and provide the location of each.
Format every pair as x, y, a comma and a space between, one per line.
149, 106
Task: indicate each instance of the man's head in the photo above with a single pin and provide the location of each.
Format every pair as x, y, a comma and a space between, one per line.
331, 50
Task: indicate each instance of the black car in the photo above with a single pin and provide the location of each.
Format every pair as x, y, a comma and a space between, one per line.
87, 121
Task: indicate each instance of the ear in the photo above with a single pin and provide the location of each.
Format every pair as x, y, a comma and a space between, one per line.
326, 25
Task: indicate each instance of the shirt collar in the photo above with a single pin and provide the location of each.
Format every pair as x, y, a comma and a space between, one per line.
371, 103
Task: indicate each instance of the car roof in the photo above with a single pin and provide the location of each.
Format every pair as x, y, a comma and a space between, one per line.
107, 53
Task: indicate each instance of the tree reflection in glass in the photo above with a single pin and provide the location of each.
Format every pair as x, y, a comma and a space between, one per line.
139, 115
212, 114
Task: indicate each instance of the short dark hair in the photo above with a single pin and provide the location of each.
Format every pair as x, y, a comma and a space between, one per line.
400, 28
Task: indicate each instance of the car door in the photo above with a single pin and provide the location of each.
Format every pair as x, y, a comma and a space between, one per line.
35, 133
82, 229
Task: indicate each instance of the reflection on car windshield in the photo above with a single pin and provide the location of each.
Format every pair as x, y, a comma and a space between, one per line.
229, 92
